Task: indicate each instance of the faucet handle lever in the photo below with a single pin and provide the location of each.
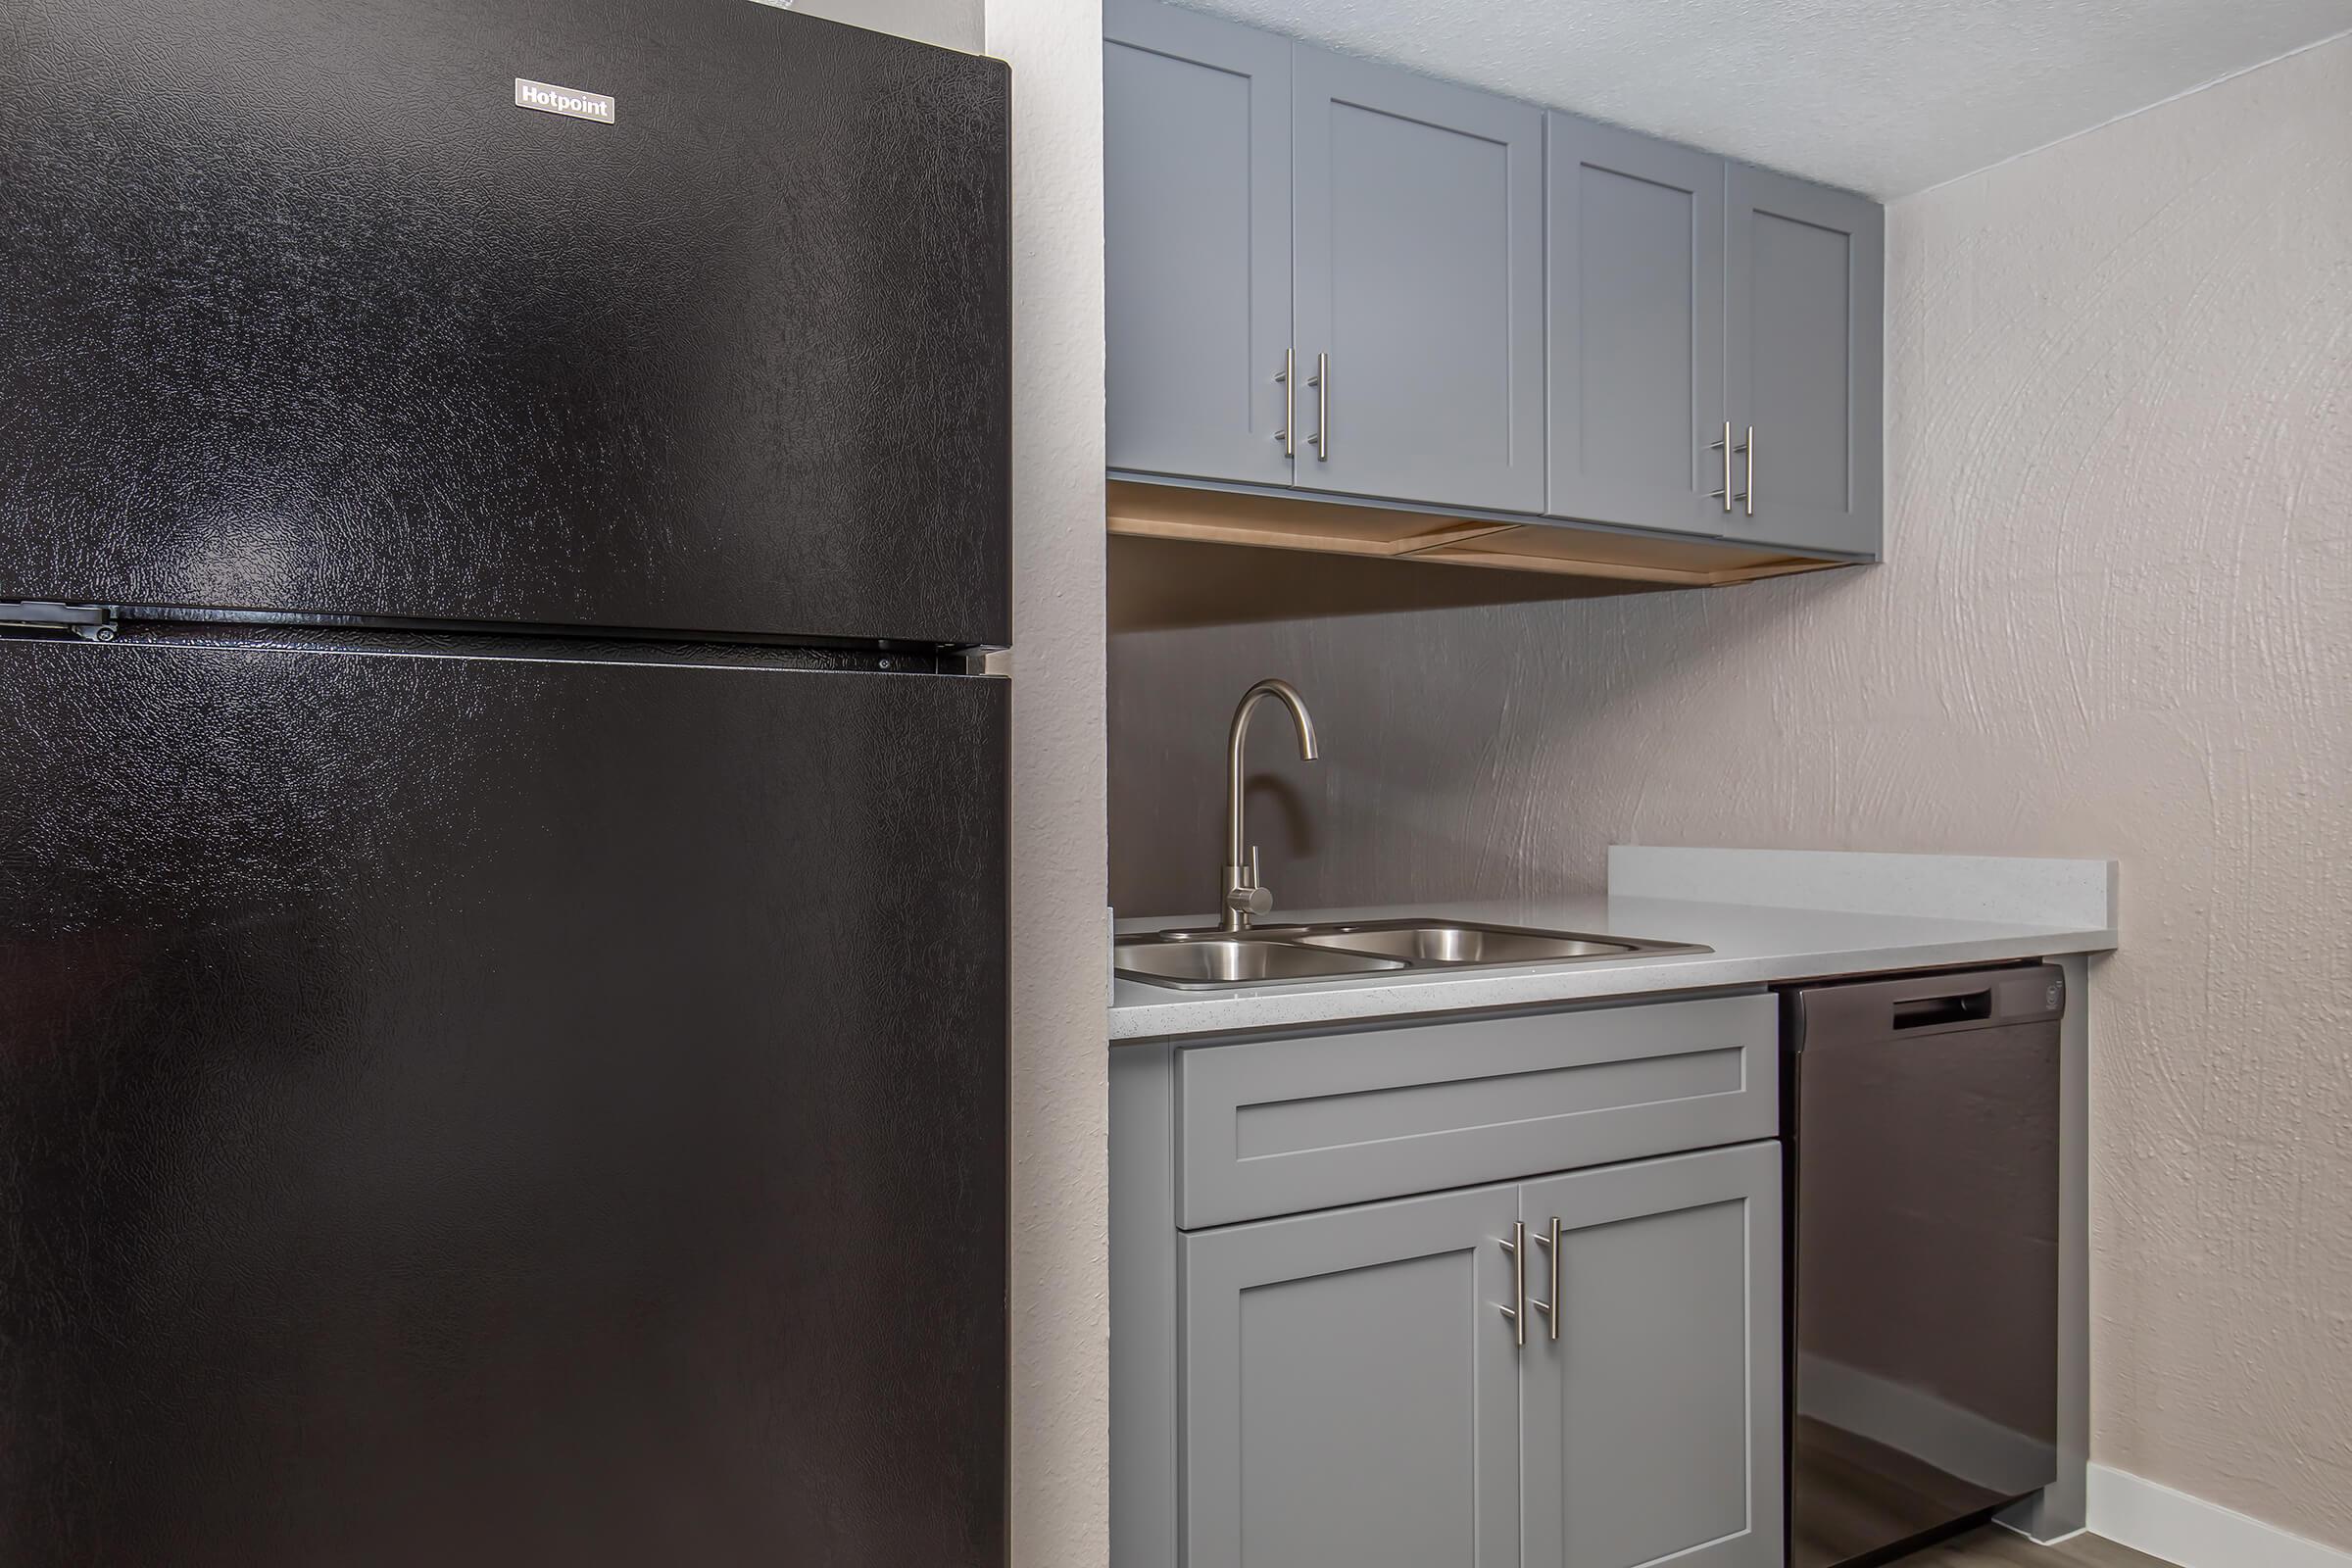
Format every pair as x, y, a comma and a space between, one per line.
1249, 894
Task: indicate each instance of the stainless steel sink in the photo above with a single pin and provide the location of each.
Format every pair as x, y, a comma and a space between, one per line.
1220, 961
1211, 959
1465, 944
1239, 950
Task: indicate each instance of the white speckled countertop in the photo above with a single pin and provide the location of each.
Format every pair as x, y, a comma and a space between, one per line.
1754, 945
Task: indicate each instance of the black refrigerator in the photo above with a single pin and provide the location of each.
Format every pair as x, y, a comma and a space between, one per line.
502, 831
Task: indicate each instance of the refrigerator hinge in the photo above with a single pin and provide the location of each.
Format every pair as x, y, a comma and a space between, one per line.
92, 622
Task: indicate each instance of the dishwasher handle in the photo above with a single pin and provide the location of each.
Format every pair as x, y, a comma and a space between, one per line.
1911, 1006
1925, 1012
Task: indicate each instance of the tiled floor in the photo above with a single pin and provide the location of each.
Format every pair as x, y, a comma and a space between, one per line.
1995, 1548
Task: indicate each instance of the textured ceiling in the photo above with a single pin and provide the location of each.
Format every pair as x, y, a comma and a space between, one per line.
1884, 96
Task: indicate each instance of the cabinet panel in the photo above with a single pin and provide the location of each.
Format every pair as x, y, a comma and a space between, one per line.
1197, 236
1635, 328
1418, 246
1351, 1388
1282, 1126
1805, 271
1651, 1426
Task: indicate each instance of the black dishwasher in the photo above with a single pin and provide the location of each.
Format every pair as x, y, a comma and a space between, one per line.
1921, 1119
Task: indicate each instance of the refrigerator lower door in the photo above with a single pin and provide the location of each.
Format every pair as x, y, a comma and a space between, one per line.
485, 1111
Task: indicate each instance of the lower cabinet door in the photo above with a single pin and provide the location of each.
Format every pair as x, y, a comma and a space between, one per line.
1351, 1388
1651, 1423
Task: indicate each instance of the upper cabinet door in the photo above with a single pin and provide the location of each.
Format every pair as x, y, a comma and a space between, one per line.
1806, 270
1651, 1425
1351, 1387
1418, 232
1197, 218
1634, 253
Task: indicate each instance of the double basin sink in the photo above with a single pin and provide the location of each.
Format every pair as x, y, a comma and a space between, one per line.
1218, 960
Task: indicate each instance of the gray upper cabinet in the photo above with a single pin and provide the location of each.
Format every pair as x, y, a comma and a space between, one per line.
1418, 266
1196, 196
1805, 270
1651, 1423
1352, 1389
1635, 317
1341, 279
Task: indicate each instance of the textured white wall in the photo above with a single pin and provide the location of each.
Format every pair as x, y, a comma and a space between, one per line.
2116, 620
1060, 1071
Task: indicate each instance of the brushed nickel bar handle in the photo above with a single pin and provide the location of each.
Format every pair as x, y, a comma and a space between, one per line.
1748, 495
1517, 1311
1723, 446
1552, 1308
1288, 376
1321, 382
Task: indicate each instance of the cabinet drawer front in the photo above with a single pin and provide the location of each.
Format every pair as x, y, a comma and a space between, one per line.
1285, 1126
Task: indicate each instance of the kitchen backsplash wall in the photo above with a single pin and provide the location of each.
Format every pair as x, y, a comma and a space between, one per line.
1486, 751
2117, 621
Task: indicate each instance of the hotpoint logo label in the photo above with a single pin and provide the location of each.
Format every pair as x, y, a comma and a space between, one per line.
552, 100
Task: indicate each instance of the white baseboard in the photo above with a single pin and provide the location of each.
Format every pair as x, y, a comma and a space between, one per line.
2193, 1533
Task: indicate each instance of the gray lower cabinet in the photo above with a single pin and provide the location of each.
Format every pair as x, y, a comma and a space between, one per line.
1635, 258
1197, 277
1350, 1389
1803, 323
1417, 224
1356, 1393
1651, 1423
1325, 1366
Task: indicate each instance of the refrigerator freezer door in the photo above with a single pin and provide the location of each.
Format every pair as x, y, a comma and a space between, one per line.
316, 308
473, 1110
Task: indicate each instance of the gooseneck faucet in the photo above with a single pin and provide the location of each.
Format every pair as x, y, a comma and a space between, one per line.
1247, 896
